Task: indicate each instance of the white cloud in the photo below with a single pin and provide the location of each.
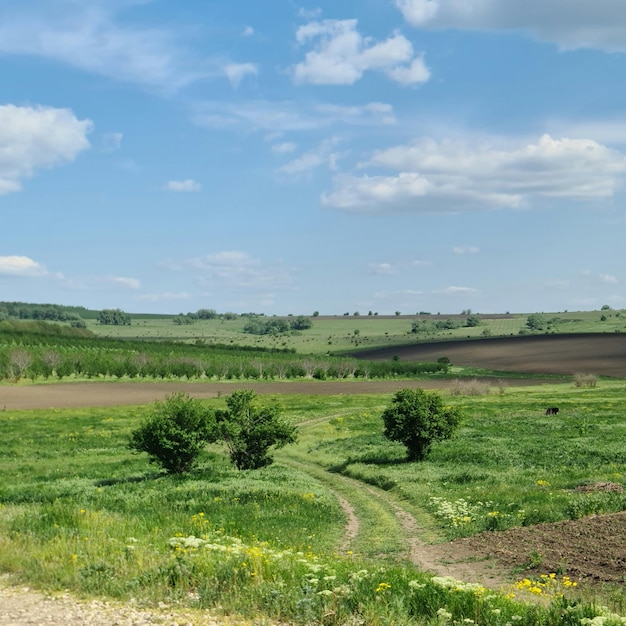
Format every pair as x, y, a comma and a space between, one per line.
382, 268
166, 296
341, 55
21, 266
418, 263
599, 278
183, 186
570, 24
33, 138
607, 278
111, 141
248, 31
453, 291
457, 175
463, 250
236, 72
284, 148
88, 35
234, 269
131, 283
321, 156
290, 116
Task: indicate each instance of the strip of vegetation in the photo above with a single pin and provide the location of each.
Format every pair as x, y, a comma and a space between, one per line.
39, 350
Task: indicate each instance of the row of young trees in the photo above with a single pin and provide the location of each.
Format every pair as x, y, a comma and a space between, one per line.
36, 362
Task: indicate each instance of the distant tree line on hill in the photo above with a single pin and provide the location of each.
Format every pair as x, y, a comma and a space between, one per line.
276, 325
114, 317
430, 327
45, 312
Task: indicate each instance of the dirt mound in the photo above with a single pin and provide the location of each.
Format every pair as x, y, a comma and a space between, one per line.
590, 550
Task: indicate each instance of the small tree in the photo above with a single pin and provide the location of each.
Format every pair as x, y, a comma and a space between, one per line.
174, 433
472, 321
19, 361
250, 431
418, 418
535, 322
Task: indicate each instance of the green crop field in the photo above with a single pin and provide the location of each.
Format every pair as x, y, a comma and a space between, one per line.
79, 511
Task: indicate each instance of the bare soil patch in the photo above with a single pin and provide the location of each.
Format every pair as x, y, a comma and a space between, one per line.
590, 550
86, 394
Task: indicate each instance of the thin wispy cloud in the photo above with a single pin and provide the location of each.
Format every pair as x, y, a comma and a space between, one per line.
92, 37
289, 116
232, 268
465, 250
236, 72
183, 186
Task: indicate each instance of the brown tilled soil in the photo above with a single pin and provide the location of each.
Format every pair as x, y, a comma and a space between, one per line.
599, 354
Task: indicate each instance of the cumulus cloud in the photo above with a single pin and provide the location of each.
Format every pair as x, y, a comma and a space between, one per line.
231, 268
341, 55
457, 175
183, 186
21, 266
33, 138
236, 72
570, 24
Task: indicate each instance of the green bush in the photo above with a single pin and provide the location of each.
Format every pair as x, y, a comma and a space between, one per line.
175, 433
250, 431
418, 418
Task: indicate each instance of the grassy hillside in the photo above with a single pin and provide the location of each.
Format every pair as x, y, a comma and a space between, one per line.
337, 334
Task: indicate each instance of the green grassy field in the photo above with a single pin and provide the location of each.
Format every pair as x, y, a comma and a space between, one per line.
78, 511
347, 333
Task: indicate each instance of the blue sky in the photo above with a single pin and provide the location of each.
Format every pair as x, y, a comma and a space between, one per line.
285, 157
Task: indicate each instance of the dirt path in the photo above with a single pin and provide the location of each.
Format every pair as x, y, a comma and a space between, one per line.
22, 606
87, 394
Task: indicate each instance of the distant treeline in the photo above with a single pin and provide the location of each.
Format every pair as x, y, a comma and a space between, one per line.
46, 312
39, 350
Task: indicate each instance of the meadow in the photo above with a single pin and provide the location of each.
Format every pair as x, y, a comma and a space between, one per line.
79, 511
337, 334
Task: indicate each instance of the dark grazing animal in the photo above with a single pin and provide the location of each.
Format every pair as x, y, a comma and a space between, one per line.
553, 410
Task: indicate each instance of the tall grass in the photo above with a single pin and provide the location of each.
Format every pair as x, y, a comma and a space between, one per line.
79, 511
